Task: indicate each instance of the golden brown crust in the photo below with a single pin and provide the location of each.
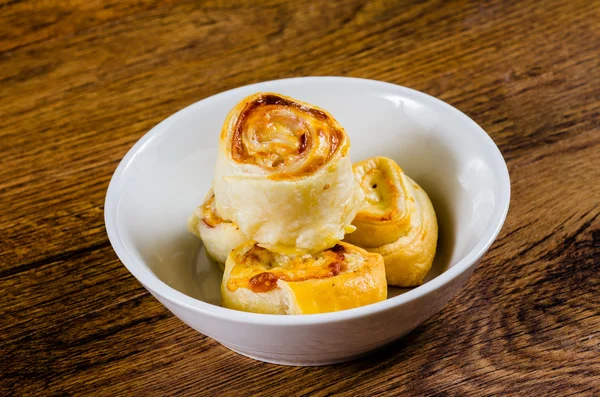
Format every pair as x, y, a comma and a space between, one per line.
385, 213
396, 220
409, 259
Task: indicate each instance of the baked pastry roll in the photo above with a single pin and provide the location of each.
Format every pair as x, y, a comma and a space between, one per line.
284, 174
384, 214
342, 277
395, 220
218, 235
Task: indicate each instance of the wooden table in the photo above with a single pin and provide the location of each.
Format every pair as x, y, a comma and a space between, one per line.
81, 81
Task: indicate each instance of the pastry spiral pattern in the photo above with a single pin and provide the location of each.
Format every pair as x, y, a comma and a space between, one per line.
341, 277
396, 220
284, 174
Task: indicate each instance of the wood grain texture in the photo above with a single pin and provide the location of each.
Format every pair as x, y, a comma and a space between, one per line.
81, 81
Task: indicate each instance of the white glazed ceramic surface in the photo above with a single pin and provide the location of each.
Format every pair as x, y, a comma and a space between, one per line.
168, 172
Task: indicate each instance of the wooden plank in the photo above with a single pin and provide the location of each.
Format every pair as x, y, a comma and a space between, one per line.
81, 81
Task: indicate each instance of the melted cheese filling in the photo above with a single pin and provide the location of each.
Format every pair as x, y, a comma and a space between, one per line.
259, 269
209, 213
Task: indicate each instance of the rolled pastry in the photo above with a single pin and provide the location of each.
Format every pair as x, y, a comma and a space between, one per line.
342, 277
284, 174
219, 236
396, 220
384, 214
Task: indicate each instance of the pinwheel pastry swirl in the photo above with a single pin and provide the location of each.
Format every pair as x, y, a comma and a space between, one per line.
284, 175
342, 277
395, 220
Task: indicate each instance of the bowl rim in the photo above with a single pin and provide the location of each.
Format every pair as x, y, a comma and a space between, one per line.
155, 285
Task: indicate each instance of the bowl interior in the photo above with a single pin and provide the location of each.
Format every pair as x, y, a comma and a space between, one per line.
169, 171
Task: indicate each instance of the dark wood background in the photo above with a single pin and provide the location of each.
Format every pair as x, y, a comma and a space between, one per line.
81, 81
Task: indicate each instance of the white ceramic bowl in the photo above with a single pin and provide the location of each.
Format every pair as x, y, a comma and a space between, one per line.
168, 172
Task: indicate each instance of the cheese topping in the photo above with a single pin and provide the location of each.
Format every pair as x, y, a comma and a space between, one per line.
209, 213
259, 269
